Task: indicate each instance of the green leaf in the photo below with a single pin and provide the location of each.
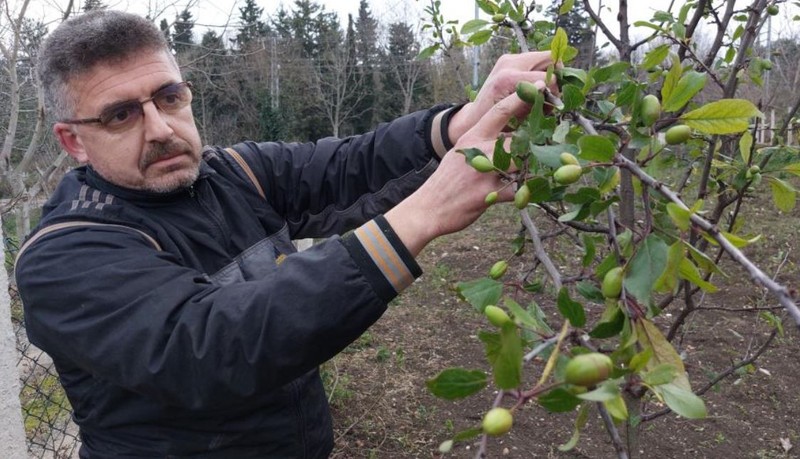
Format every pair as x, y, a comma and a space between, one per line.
606, 391
682, 401
661, 374
470, 153
737, 241
590, 248
501, 158
540, 189
559, 45
527, 320
566, 7
640, 360
672, 78
468, 434
480, 37
580, 423
702, 260
455, 383
473, 26
650, 337
559, 400
480, 293
680, 215
487, 7
725, 116
596, 148
561, 132
668, 281
792, 169
584, 195
689, 271
590, 291
772, 320
645, 268
783, 194
616, 408
745, 145
572, 96
610, 72
690, 84
428, 52
549, 154
504, 352
610, 328
655, 56
571, 310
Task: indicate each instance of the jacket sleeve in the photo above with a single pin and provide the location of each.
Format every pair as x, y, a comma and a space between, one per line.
334, 185
108, 302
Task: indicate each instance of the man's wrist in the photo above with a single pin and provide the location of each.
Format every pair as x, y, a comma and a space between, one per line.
441, 131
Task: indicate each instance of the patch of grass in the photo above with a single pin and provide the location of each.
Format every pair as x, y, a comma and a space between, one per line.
44, 405
336, 383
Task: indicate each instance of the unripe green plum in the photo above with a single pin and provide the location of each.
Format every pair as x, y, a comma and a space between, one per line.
522, 197
491, 198
588, 369
482, 163
568, 158
678, 134
527, 91
496, 316
538, 36
497, 421
499, 17
567, 174
651, 109
498, 269
752, 171
773, 10
612, 283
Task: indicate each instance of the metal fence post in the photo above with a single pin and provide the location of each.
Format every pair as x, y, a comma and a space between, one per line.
12, 436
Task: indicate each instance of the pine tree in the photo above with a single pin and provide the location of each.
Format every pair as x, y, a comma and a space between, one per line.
252, 28
182, 36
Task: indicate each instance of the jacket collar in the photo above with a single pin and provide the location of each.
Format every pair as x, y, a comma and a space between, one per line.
95, 180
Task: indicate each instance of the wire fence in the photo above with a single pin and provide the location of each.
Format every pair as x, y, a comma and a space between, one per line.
46, 412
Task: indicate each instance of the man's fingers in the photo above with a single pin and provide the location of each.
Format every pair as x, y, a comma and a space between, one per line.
493, 122
533, 60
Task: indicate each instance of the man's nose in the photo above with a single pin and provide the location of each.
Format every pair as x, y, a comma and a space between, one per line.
155, 123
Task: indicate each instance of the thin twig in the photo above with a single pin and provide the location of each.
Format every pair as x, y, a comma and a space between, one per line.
613, 432
538, 247
541, 347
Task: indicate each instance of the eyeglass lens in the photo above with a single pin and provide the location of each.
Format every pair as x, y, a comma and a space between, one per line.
168, 99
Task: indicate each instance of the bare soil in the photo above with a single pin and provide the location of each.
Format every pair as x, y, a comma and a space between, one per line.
382, 408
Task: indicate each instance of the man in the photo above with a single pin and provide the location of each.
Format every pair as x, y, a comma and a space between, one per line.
162, 280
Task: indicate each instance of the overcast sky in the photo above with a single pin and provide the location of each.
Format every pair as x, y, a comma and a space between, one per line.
217, 14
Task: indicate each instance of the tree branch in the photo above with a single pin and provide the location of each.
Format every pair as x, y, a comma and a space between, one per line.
781, 292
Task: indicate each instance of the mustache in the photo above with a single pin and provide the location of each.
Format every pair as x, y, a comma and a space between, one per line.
160, 150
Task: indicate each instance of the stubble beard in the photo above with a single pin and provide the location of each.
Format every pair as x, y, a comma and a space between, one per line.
173, 177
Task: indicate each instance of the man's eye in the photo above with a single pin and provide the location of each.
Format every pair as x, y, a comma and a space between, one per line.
120, 115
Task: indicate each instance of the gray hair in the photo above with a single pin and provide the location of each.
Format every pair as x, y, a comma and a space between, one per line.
82, 42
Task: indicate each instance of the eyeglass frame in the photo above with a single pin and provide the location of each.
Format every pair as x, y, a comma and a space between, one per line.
99, 119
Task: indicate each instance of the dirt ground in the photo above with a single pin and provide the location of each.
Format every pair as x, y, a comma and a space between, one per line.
382, 408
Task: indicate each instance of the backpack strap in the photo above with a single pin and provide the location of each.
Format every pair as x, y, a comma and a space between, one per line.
247, 170
81, 223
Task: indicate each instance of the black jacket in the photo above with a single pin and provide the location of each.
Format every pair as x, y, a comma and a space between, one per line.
183, 324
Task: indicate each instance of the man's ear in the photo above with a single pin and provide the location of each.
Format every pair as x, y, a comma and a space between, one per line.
70, 141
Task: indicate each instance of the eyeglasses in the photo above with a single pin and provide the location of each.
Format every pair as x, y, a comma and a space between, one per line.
123, 115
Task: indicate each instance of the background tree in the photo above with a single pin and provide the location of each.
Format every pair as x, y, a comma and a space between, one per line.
182, 32
404, 76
